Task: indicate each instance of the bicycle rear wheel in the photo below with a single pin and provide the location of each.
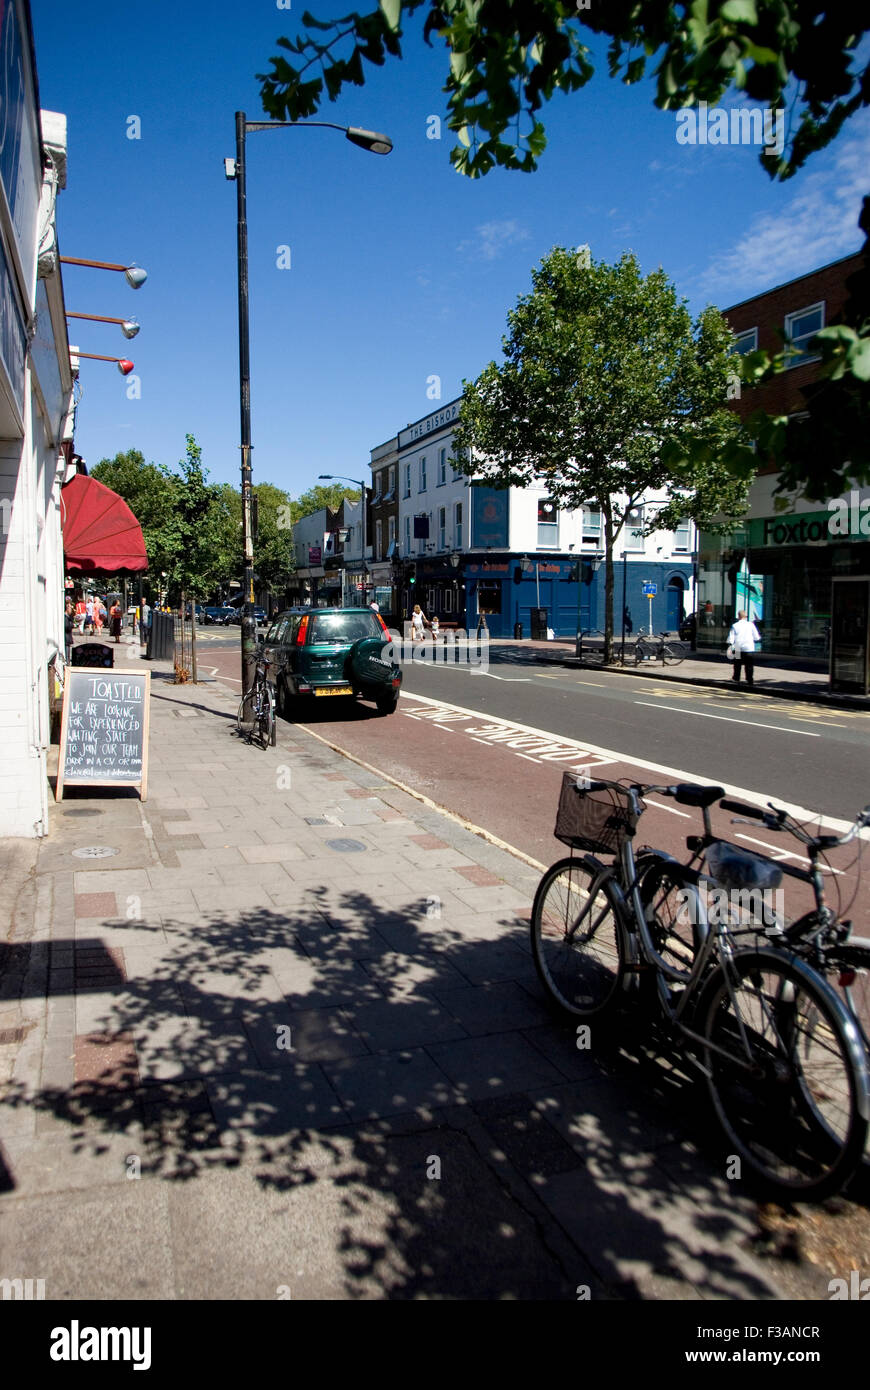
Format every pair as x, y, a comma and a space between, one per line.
243, 726
787, 1084
671, 656
266, 717
847, 970
578, 941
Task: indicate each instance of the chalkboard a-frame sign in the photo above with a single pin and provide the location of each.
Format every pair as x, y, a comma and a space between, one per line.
104, 730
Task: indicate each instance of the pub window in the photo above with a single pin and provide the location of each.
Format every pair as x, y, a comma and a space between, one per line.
442, 467
548, 523
683, 537
592, 527
634, 538
489, 597
442, 528
457, 525
407, 480
448, 600
423, 473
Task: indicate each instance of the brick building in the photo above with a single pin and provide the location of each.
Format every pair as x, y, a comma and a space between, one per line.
781, 566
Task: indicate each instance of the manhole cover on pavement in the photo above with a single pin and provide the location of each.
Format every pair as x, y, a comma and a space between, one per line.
83, 811
346, 846
95, 852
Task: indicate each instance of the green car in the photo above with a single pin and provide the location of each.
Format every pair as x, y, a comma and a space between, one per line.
320, 653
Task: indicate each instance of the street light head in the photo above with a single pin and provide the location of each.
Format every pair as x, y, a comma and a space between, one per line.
135, 276
129, 328
369, 140
125, 366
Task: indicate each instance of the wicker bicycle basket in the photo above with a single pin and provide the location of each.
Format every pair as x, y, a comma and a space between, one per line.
598, 821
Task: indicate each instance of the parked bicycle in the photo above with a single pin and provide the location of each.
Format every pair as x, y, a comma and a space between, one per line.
821, 934
663, 649
779, 1053
260, 699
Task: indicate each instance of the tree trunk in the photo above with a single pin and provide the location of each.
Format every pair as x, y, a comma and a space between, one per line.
608, 584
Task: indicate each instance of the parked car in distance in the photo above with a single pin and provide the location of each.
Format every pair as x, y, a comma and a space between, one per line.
688, 627
329, 652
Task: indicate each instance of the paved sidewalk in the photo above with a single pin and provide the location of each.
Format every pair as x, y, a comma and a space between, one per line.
287, 1032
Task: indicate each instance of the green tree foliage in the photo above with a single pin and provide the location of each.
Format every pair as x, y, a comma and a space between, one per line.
319, 496
508, 57
602, 369
274, 554
146, 489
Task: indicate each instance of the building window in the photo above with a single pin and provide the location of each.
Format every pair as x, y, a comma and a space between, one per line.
548, 524
407, 535
800, 327
391, 529
457, 525
423, 474
747, 341
448, 600
592, 527
683, 538
377, 488
379, 541
634, 538
407, 480
442, 528
392, 483
457, 472
442, 467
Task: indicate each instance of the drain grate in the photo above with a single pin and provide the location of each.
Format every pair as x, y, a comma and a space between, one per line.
95, 852
83, 811
346, 846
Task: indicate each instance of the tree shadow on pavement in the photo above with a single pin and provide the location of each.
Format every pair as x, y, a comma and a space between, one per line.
365, 1102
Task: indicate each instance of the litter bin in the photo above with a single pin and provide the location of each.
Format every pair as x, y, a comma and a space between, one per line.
539, 624
518, 632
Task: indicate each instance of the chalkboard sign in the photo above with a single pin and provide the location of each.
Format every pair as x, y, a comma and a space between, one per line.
104, 731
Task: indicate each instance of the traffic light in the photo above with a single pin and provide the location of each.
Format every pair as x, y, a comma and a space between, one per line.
412, 576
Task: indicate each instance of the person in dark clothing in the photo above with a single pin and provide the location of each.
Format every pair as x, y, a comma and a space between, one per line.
69, 619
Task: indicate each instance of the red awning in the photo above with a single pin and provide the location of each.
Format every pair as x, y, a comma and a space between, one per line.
100, 533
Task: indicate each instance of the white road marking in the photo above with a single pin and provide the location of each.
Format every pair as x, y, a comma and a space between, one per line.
671, 774
511, 680
673, 810
727, 719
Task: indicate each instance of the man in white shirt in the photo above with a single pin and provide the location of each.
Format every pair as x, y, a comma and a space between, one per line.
742, 638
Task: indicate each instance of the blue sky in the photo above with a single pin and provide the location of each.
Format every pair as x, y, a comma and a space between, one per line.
401, 269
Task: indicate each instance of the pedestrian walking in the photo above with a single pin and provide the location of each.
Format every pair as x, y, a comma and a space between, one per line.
145, 622
99, 615
741, 644
81, 614
89, 616
115, 619
417, 621
69, 619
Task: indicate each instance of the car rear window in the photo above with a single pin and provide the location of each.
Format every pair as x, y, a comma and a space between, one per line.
343, 627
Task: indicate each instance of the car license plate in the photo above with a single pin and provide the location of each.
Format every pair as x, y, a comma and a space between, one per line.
333, 690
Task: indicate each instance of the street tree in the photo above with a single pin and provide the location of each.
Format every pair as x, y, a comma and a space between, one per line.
148, 492
601, 368
199, 529
507, 59
319, 496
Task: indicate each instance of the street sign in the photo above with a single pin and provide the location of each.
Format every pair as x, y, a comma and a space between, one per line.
649, 590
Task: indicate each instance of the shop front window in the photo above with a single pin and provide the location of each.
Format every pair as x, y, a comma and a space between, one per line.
488, 597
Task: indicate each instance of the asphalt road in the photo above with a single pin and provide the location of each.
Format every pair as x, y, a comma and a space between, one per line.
803, 754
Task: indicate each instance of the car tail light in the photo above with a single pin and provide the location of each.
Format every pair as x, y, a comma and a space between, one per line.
382, 623
303, 628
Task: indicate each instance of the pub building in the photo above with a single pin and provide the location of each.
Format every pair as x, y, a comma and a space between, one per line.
512, 557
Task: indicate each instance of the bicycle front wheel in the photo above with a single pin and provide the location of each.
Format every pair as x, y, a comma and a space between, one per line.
787, 1084
671, 656
847, 970
266, 718
243, 726
578, 941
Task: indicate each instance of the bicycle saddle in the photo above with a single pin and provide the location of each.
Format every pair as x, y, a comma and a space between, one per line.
693, 794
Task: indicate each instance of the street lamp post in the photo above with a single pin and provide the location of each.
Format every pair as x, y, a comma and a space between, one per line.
235, 169
340, 478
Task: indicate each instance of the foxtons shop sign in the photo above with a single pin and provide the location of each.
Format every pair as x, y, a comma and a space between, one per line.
847, 519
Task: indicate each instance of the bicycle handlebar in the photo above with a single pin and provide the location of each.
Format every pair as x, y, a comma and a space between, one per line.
775, 818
